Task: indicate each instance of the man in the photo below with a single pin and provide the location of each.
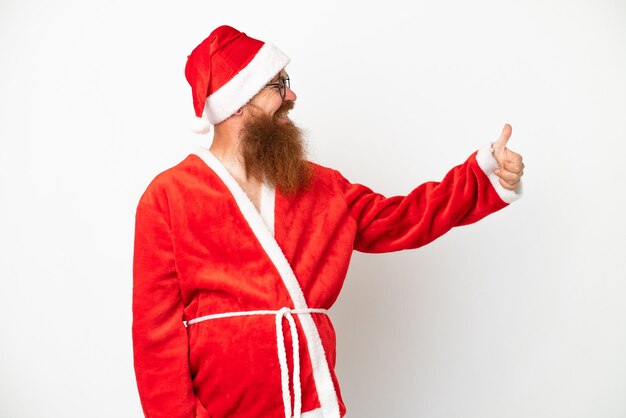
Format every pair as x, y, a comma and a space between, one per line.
241, 248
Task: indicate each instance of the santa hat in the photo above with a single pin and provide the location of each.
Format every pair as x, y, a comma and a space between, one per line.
227, 70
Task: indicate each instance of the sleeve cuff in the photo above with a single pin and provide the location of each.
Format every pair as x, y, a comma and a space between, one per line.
487, 162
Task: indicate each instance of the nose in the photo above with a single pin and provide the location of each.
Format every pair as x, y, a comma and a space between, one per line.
290, 95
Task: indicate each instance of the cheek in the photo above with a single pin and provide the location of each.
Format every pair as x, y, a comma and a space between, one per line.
270, 104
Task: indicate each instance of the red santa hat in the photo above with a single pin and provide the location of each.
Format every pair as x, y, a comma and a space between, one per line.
225, 71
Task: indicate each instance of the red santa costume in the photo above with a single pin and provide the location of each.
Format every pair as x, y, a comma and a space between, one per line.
230, 304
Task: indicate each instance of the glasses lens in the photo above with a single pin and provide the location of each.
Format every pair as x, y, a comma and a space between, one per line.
284, 83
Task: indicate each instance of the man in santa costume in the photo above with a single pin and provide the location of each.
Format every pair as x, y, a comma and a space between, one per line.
241, 249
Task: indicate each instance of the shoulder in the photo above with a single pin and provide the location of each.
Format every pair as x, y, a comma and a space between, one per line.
191, 165
332, 178
325, 177
320, 170
172, 178
329, 183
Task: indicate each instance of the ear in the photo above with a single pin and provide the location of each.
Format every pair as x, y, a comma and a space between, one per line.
239, 111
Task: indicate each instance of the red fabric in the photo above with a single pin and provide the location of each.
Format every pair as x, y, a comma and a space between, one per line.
213, 63
195, 255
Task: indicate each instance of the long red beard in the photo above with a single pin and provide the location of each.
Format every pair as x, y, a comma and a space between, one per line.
275, 151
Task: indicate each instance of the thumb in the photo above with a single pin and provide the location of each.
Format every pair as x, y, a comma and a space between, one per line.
500, 144
499, 147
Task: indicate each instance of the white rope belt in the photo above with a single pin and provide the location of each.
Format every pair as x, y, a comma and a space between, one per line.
282, 351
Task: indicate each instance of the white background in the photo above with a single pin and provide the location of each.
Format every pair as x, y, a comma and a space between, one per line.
520, 315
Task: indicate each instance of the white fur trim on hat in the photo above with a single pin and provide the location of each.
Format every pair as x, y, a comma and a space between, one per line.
246, 84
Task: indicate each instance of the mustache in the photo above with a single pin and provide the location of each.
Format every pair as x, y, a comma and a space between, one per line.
285, 107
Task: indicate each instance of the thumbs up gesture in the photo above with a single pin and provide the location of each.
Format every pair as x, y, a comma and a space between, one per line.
511, 167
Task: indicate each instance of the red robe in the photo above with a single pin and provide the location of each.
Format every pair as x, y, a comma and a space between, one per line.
201, 248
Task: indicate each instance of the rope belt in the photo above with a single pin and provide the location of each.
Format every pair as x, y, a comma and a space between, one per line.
282, 351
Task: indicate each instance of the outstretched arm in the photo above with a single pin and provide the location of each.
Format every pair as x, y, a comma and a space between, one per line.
467, 193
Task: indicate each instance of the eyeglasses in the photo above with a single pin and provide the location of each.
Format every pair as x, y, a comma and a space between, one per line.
283, 83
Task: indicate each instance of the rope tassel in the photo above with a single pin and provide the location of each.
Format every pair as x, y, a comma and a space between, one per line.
282, 351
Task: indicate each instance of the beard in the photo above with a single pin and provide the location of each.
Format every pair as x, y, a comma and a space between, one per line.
274, 151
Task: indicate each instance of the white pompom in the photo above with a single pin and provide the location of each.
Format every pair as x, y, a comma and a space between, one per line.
200, 125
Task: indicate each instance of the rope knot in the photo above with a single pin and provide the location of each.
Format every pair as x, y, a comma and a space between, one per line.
283, 311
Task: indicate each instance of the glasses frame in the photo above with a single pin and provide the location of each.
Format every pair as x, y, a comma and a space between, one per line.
283, 83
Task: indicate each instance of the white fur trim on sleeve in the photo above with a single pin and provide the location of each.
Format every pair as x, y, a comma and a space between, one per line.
488, 163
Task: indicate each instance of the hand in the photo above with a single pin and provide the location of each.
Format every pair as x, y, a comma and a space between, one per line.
511, 167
